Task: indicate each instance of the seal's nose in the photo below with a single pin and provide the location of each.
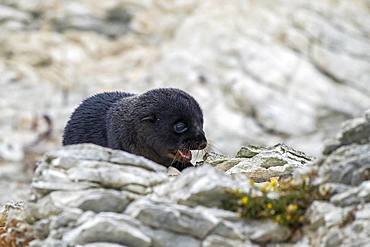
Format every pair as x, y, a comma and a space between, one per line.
201, 141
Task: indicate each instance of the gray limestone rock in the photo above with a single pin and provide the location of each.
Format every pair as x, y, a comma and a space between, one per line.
324, 213
176, 218
97, 200
80, 167
12, 14
110, 227
266, 231
218, 241
295, 82
90, 152
200, 186
354, 131
261, 164
348, 161
353, 196
171, 214
102, 244
164, 238
86, 195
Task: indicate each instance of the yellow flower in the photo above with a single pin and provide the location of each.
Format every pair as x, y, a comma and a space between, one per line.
238, 191
265, 187
292, 208
288, 217
274, 182
278, 218
244, 200
269, 205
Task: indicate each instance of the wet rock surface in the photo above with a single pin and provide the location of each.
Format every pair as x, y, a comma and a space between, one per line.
160, 209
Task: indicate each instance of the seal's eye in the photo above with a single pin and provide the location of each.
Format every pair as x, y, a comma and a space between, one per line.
180, 127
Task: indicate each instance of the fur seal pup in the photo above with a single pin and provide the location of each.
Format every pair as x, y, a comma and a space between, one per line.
162, 124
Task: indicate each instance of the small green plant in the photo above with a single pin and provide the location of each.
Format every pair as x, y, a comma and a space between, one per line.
284, 201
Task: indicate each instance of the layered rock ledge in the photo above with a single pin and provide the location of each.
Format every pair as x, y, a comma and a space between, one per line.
86, 195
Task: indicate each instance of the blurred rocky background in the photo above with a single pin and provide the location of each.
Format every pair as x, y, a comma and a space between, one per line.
264, 71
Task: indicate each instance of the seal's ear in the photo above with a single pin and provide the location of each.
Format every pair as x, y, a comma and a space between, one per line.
149, 118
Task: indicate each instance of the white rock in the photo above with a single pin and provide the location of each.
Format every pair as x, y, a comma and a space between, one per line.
177, 218
109, 227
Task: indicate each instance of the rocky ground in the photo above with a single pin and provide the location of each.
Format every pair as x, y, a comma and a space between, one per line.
85, 195
263, 71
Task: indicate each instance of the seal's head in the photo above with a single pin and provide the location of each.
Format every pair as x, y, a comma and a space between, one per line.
170, 125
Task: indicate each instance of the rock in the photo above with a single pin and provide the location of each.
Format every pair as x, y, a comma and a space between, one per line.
334, 188
62, 170
201, 186
362, 214
334, 238
51, 243
353, 196
103, 212
266, 231
268, 76
343, 171
175, 218
172, 172
7, 13
261, 164
120, 176
355, 131
86, 195
295, 82
9, 190
97, 200
218, 241
226, 164
347, 162
214, 158
5, 210
101, 245
228, 229
322, 213
249, 151
161, 238
108, 227
90, 152
10, 151
335, 226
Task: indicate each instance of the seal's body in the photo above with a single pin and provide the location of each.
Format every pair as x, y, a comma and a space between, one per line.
162, 124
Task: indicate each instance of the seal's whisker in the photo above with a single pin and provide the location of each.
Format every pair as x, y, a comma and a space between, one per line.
203, 152
174, 159
197, 155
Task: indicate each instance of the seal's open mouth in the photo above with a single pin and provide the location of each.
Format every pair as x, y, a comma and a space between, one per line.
183, 155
